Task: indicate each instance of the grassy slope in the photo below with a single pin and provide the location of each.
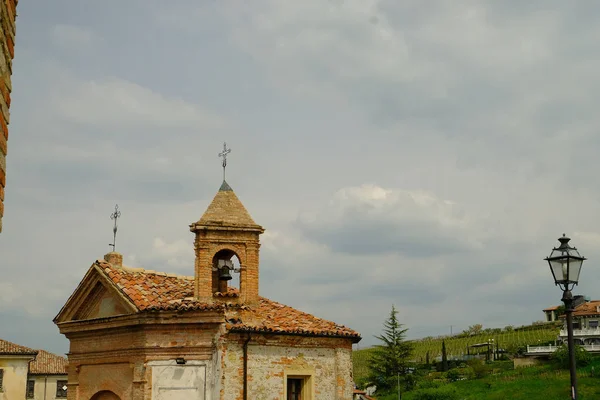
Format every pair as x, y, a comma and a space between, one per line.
532, 383
457, 346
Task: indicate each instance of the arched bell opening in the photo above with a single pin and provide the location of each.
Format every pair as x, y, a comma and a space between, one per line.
226, 267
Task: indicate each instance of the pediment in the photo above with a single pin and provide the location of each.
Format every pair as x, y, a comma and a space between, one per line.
95, 297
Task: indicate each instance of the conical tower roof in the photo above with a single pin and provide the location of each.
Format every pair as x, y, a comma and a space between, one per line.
226, 210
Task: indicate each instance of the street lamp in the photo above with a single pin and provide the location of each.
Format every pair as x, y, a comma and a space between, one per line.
565, 263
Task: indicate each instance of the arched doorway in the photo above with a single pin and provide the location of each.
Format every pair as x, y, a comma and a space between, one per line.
105, 395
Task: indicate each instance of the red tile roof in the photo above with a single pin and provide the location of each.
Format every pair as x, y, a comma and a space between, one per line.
48, 364
553, 308
156, 291
587, 308
9, 348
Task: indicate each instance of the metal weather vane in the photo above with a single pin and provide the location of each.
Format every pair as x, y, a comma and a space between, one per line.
224, 155
115, 216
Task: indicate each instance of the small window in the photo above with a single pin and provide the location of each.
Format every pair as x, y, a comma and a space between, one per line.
294, 389
30, 389
61, 389
1, 378
593, 324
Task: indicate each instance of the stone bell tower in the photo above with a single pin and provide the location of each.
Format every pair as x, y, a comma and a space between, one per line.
226, 230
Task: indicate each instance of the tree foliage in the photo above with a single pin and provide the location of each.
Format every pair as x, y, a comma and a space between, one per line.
561, 356
389, 360
444, 357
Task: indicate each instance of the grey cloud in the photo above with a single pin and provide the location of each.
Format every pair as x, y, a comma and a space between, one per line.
372, 220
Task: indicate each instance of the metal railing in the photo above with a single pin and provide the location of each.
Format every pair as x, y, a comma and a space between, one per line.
582, 332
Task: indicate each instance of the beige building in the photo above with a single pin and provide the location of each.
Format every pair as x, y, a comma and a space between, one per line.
26, 373
47, 378
166, 336
14, 366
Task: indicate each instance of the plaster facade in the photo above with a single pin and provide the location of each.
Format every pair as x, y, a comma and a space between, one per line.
14, 376
45, 386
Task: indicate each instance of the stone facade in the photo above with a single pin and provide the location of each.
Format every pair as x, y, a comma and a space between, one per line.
325, 364
8, 13
174, 337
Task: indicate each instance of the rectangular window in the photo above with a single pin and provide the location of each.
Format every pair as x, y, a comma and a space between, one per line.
593, 324
30, 389
61, 389
294, 389
576, 325
1, 378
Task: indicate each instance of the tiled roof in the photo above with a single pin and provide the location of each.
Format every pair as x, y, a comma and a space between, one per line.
553, 308
7, 347
155, 291
226, 210
272, 317
48, 364
587, 308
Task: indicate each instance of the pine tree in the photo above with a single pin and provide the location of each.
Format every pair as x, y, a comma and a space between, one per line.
390, 359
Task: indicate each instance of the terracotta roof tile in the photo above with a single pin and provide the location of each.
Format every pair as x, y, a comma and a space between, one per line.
152, 291
48, 364
7, 347
587, 308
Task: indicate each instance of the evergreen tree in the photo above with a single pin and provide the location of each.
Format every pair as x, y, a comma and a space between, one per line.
444, 357
389, 359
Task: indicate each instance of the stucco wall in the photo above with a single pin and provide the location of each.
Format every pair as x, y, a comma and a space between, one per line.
270, 359
15, 377
45, 386
7, 52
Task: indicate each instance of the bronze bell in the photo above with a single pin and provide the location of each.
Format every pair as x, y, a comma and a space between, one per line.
224, 274
225, 267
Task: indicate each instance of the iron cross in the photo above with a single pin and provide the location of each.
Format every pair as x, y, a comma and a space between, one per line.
115, 216
224, 155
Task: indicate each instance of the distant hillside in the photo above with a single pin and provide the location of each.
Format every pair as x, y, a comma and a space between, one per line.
508, 339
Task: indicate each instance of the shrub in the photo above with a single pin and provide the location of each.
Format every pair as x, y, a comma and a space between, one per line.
442, 393
480, 369
453, 375
561, 356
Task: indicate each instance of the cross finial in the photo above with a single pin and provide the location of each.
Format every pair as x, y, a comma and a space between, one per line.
115, 216
224, 155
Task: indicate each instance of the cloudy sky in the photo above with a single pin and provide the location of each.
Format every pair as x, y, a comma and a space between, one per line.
425, 154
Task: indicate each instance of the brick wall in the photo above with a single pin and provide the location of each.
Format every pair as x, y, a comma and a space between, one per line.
7, 18
271, 358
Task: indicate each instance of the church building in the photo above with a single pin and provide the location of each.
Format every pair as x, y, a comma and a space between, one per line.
138, 334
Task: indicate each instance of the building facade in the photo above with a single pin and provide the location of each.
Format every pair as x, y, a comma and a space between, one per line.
47, 378
26, 373
14, 366
8, 13
586, 321
167, 336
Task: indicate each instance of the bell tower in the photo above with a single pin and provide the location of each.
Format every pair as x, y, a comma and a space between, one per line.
225, 230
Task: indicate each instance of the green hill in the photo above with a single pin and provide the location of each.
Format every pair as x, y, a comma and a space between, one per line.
510, 340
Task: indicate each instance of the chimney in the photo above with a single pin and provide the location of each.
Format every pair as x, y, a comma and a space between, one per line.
114, 258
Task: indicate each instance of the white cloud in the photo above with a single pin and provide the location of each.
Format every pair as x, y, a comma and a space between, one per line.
370, 219
116, 102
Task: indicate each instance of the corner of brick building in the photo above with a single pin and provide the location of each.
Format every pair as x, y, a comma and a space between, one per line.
8, 13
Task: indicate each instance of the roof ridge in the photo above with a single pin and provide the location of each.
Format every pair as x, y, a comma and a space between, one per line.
17, 347
140, 270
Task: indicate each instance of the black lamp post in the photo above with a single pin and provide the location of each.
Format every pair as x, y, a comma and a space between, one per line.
565, 263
